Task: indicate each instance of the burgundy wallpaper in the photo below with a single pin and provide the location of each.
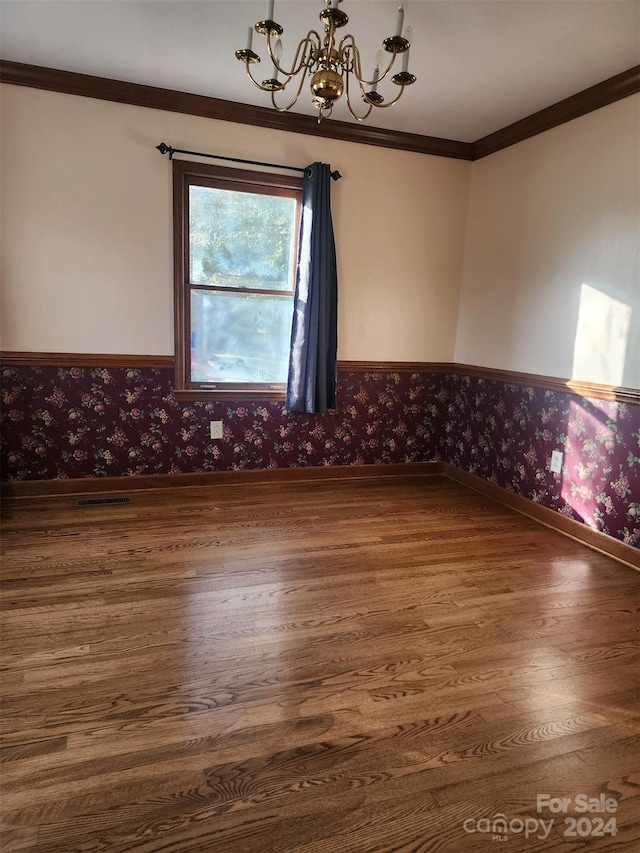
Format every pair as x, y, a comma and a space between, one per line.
59, 423
82, 422
506, 433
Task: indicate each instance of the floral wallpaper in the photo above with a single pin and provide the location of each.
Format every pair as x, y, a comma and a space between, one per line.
82, 422
96, 422
506, 433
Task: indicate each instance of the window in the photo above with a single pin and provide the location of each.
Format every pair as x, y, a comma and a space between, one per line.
235, 234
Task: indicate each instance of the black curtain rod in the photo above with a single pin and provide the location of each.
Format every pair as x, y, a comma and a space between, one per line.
163, 148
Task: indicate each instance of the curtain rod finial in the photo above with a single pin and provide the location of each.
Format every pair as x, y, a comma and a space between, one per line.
163, 148
336, 175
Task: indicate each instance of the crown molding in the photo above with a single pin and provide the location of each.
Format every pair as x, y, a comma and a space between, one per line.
105, 89
601, 95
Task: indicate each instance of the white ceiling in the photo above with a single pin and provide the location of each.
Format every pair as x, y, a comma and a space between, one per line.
481, 64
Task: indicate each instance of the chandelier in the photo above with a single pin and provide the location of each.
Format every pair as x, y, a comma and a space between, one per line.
335, 66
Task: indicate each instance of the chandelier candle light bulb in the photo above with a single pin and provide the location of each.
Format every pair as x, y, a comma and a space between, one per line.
408, 34
376, 77
332, 61
277, 53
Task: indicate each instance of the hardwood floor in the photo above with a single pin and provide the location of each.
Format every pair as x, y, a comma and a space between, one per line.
356, 666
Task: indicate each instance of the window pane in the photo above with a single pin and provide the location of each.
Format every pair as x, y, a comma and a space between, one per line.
239, 337
239, 239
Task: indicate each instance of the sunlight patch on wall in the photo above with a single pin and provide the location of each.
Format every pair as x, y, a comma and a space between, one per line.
601, 337
579, 470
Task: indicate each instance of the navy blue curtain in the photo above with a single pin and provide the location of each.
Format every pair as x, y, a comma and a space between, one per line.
314, 334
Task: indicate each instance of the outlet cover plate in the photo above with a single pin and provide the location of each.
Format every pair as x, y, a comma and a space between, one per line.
215, 429
556, 462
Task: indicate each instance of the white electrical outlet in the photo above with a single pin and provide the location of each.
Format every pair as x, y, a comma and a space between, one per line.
215, 429
556, 462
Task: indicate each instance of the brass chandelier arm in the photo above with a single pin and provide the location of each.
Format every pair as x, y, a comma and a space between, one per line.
355, 64
351, 110
379, 104
386, 71
390, 103
303, 77
253, 80
371, 105
310, 44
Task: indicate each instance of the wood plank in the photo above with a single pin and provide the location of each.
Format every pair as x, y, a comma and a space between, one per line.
358, 665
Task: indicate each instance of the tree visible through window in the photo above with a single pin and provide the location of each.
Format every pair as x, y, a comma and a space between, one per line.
235, 266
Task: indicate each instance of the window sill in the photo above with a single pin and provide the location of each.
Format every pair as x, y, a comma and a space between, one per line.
194, 395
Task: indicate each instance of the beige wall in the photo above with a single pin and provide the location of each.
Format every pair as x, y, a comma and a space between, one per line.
550, 280
550, 277
87, 243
